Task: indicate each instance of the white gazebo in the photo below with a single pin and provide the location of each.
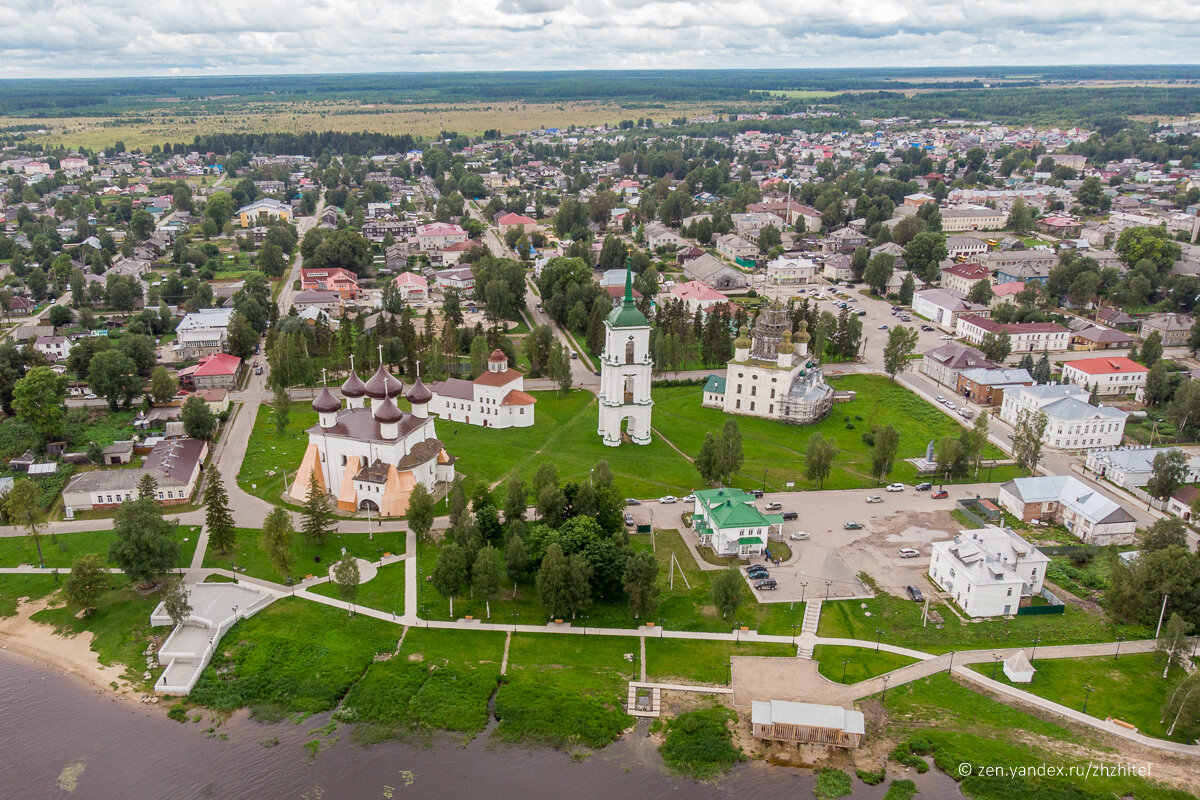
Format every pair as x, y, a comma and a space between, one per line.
1018, 669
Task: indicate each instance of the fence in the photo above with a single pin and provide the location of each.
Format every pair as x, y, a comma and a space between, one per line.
1054, 606
973, 509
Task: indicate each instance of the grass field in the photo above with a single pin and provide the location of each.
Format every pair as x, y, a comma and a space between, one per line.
681, 608
60, 549
956, 725
863, 663
1130, 688
384, 592
249, 558
699, 743
14, 588
900, 619
268, 455
698, 661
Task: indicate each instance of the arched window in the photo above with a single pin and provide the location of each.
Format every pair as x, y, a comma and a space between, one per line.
629, 351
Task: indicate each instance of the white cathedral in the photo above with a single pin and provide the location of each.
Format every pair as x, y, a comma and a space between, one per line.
772, 375
371, 458
625, 367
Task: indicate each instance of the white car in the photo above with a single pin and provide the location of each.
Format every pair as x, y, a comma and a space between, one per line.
895, 487
908, 552
940, 399
945, 337
874, 498
798, 536
950, 405
668, 500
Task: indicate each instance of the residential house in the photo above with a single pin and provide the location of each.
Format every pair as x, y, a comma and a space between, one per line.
963, 277
727, 521
715, 272
965, 246
1006, 293
945, 306
335, 279
510, 221
1025, 272
988, 572
1132, 467
439, 235
896, 281
1109, 375
217, 371
837, 268
971, 218
413, 288
734, 247
693, 294
1060, 226
845, 240
1072, 423
1182, 501
790, 270
944, 363
1025, 337
1173, 328
987, 386
202, 333
318, 301
54, 348
659, 235
175, 465
250, 214
1093, 517
1093, 337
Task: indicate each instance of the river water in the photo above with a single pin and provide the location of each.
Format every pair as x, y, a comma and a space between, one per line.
62, 738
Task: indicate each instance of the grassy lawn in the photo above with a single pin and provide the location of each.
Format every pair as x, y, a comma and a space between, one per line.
249, 558
1130, 688
565, 691
294, 655
778, 450
384, 592
61, 549
680, 608
692, 661
959, 726
699, 743
120, 626
268, 455
864, 663
29, 587
900, 620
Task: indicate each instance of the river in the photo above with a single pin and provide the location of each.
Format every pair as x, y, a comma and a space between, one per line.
62, 738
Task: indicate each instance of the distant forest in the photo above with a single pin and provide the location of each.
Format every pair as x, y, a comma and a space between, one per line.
106, 96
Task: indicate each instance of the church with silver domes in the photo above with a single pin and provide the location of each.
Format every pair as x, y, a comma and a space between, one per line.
370, 458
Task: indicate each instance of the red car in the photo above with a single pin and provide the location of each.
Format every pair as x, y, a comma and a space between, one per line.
940, 494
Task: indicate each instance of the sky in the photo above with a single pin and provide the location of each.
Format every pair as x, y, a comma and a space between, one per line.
83, 38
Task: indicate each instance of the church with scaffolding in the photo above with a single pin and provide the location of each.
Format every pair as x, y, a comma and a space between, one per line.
772, 374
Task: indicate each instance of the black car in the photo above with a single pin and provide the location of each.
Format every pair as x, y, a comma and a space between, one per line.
632, 501
769, 583
924, 487
756, 568
757, 493
915, 594
790, 515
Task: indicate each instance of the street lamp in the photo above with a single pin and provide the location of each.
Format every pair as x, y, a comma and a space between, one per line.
1120, 639
952, 652
886, 678
738, 632
803, 588
1036, 641
878, 635
995, 663
827, 585
1087, 692
845, 661
794, 626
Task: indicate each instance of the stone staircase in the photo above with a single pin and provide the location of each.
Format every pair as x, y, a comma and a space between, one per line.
812, 615
652, 710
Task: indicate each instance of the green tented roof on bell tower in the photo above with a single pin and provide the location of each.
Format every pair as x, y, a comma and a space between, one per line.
626, 315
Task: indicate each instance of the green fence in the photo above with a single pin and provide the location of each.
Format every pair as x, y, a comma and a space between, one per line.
1034, 610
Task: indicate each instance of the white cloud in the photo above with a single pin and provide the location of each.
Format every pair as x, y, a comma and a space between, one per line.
152, 37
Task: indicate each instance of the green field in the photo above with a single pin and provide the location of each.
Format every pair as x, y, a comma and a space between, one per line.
680, 608
248, 557
1130, 688
900, 619
268, 455
384, 592
864, 663
60, 549
698, 661
28, 587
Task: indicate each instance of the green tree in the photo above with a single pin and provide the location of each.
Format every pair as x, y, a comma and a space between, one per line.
281, 405
640, 582
768, 239
318, 518
347, 577
114, 376
924, 254
727, 591
1169, 472
996, 347
1153, 244
1020, 218
177, 602
879, 272
420, 511
1183, 707
198, 420
558, 581
485, 576
241, 336
981, 292
162, 385
87, 581
1193, 340
276, 540
1173, 647
901, 344
143, 545
217, 519
147, 486
23, 506
39, 399
516, 557
908, 288
1027, 439
516, 498
818, 458
271, 261
1152, 349
450, 572
978, 440
883, 455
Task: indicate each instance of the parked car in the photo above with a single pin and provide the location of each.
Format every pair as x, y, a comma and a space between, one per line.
945, 337
628, 519
258, 369
915, 594
966, 413
769, 583
883, 327
908, 552
924, 487
667, 500
852, 526
940, 494
894, 487
574, 355
632, 501
758, 574
874, 498
927, 328
799, 536
788, 516
940, 399
757, 493
861, 312
774, 506
691, 498
950, 405
753, 568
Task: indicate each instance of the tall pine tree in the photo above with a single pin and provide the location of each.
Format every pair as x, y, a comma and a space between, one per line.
318, 518
217, 518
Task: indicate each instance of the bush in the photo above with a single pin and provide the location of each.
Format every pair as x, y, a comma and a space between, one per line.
868, 438
832, 784
849, 426
178, 712
909, 753
1082, 555
533, 712
699, 743
871, 778
901, 790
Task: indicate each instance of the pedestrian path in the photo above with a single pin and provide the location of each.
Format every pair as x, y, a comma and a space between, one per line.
808, 631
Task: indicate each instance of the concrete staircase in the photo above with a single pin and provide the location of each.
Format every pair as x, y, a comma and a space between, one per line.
655, 707
812, 615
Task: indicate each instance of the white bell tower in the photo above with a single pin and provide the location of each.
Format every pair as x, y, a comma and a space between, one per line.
625, 368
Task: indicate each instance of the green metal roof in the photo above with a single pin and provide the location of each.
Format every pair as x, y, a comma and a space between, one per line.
626, 315
736, 514
715, 384
750, 540
774, 519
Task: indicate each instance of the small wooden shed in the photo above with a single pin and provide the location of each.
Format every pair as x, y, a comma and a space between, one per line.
807, 723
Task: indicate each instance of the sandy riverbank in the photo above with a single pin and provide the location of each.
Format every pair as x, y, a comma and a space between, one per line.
72, 655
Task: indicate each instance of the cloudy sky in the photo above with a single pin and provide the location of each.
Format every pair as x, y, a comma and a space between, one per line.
53, 38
